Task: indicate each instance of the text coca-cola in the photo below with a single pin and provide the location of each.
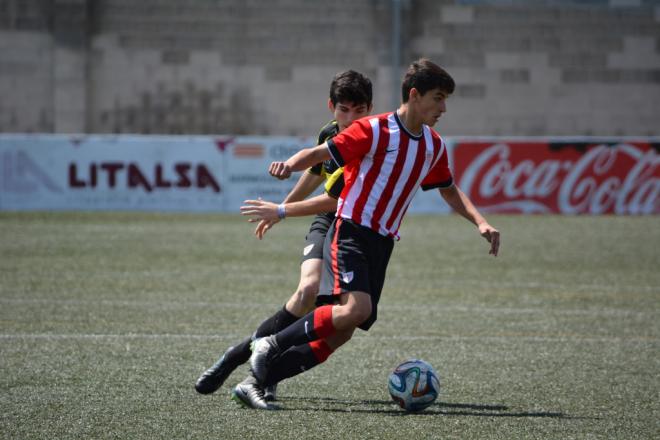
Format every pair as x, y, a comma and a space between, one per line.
560, 177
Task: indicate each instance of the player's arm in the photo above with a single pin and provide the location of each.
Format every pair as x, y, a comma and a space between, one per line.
303, 159
306, 185
264, 210
462, 205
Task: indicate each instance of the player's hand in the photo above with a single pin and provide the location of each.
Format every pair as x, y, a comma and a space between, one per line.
280, 170
492, 235
263, 227
260, 210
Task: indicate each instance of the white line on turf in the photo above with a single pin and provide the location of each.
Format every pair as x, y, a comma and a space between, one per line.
434, 308
494, 338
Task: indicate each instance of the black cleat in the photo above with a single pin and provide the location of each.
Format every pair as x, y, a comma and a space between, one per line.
215, 376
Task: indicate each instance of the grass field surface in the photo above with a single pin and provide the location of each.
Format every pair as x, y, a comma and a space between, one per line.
107, 319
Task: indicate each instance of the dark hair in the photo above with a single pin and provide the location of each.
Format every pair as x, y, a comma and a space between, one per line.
424, 75
350, 86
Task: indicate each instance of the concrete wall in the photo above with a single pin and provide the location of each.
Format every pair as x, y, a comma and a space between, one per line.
561, 67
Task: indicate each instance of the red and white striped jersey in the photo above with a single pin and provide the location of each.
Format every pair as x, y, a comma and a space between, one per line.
384, 165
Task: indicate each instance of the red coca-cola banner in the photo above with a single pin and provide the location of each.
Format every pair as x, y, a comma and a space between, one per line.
564, 177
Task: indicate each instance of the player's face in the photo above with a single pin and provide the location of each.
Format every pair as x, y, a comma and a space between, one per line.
347, 112
431, 106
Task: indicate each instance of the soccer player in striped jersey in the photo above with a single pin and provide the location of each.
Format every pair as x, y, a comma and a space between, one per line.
350, 99
386, 158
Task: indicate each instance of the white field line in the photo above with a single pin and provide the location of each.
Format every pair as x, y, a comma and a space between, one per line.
439, 280
549, 285
493, 338
434, 308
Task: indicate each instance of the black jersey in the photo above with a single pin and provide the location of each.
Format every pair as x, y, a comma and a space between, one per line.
329, 169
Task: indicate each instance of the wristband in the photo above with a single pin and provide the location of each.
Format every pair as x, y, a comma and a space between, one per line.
281, 211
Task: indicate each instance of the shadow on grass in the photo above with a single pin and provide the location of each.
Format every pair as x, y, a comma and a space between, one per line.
388, 407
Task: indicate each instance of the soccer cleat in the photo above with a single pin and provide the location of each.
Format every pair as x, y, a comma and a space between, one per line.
215, 376
249, 394
270, 393
263, 350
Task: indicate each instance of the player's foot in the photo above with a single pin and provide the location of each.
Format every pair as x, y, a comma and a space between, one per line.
270, 393
263, 350
249, 394
215, 376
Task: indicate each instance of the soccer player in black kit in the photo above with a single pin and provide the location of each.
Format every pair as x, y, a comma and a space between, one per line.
350, 99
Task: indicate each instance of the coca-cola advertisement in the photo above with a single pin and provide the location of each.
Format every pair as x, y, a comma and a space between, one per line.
560, 176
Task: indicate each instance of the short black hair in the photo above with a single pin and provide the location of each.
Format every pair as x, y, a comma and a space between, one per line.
351, 86
424, 75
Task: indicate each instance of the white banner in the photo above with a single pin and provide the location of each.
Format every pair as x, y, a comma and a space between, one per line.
248, 158
149, 173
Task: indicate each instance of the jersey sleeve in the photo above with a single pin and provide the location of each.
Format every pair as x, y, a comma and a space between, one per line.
327, 132
334, 183
440, 175
351, 144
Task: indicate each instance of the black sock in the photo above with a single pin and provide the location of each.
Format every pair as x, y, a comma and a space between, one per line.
280, 320
240, 353
317, 324
292, 362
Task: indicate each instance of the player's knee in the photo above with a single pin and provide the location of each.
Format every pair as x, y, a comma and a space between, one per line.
309, 288
304, 298
355, 313
362, 314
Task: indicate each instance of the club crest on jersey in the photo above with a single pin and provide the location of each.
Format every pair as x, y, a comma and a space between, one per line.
347, 277
308, 249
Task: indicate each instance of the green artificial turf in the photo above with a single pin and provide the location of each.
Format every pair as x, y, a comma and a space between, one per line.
107, 319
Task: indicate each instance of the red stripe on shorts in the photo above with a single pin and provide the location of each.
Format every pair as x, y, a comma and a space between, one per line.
333, 255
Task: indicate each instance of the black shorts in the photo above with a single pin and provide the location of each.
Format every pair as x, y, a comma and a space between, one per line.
316, 236
354, 259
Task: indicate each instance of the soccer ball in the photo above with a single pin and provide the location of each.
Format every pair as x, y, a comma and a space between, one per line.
414, 385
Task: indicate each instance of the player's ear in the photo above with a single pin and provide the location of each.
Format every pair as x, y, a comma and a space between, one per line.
331, 106
371, 107
413, 94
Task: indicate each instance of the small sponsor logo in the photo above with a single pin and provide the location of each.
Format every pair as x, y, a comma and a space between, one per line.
248, 150
308, 249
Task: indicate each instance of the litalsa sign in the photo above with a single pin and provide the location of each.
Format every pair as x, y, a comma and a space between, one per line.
111, 172
151, 177
560, 177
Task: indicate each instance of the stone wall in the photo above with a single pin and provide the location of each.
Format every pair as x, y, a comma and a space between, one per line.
554, 67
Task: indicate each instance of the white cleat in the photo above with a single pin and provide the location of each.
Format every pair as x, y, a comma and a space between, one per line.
249, 394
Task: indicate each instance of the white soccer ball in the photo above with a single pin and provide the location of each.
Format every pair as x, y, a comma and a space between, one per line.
414, 385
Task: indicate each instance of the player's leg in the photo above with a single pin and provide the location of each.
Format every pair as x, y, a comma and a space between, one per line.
304, 357
352, 286
290, 363
303, 299
213, 378
299, 304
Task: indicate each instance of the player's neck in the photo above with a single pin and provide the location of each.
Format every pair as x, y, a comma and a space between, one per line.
411, 122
